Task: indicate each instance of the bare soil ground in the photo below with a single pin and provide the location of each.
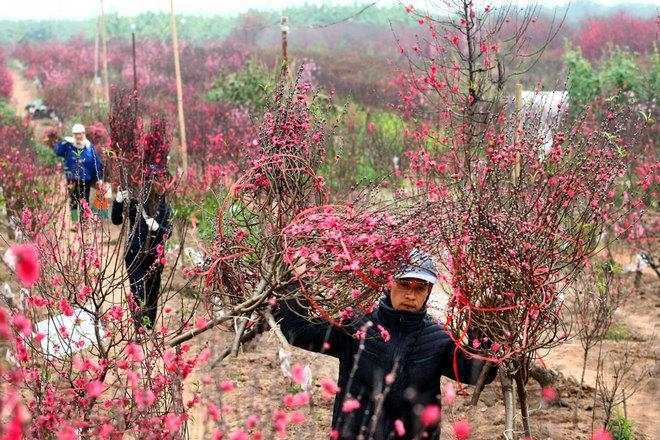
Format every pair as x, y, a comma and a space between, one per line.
261, 386
23, 92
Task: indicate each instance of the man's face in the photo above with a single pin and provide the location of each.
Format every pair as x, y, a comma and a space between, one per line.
79, 137
409, 294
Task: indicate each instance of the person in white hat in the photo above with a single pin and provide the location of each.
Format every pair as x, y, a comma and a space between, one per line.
82, 167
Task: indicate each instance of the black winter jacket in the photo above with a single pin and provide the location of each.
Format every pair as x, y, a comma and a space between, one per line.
418, 353
141, 246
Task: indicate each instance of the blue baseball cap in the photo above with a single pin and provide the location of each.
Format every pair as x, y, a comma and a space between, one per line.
419, 266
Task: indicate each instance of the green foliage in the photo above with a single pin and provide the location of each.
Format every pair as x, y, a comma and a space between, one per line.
6, 112
366, 142
203, 208
620, 73
324, 14
617, 332
250, 87
147, 25
46, 156
624, 77
583, 82
653, 82
620, 428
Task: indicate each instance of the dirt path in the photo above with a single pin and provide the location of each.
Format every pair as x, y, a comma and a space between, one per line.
24, 92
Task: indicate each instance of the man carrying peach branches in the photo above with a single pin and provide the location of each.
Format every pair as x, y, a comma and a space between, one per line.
390, 360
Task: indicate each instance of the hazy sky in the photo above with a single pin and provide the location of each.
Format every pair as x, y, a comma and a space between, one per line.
40, 9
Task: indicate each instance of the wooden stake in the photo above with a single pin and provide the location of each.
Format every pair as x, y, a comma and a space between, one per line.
516, 135
104, 44
95, 84
179, 92
134, 63
135, 95
284, 27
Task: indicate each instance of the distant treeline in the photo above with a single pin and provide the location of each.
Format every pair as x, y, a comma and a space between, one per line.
193, 28
200, 28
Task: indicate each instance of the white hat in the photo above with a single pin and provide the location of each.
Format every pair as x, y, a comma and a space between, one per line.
78, 128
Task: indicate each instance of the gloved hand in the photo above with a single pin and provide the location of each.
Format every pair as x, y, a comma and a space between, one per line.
122, 195
151, 223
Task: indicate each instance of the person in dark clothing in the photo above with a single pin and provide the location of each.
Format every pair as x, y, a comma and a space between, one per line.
150, 225
82, 166
390, 361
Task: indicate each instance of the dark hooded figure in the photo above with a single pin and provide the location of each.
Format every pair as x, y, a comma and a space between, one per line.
150, 225
394, 379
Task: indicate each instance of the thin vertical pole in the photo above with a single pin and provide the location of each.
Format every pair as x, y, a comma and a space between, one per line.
135, 89
134, 63
284, 27
96, 52
96, 82
104, 43
179, 92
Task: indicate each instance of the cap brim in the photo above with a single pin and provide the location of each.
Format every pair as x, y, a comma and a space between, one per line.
418, 275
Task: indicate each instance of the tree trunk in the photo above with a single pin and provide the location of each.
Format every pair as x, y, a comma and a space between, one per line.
579, 392
481, 383
522, 399
509, 403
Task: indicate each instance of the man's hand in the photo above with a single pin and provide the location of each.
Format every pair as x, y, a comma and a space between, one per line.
152, 224
122, 194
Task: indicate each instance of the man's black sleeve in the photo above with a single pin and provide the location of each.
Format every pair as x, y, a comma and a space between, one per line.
311, 333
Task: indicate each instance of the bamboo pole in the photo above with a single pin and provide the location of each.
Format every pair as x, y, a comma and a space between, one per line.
179, 92
96, 81
516, 135
134, 63
284, 27
135, 89
104, 44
